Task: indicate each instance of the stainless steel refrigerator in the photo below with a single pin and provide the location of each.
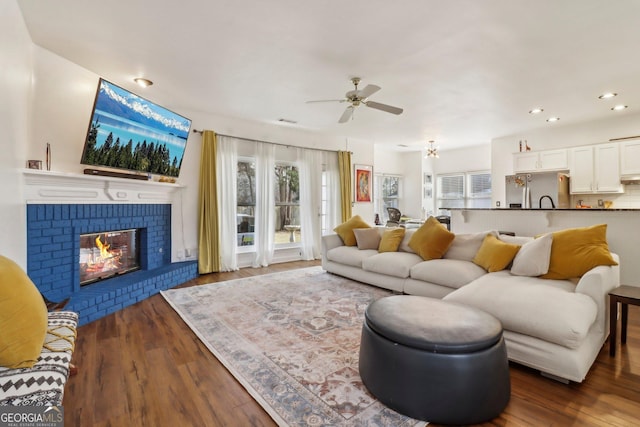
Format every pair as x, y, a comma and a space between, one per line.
538, 190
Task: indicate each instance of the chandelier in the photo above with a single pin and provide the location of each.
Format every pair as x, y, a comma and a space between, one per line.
432, 151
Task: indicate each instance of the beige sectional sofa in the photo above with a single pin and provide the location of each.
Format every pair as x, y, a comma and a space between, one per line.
555, 326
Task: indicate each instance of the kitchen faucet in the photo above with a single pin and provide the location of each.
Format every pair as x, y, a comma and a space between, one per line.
553, 205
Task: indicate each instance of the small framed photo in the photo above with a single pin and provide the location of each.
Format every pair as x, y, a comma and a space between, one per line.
34, 164
363, 182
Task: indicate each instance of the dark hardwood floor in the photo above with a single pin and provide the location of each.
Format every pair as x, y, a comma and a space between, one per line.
142, 366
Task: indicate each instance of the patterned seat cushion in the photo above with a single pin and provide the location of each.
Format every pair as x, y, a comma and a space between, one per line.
43, 384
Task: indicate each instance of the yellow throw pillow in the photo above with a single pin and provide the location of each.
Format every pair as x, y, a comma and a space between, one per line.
391, 240
23, 317
345, 230
432, 240
494, 254
577, 250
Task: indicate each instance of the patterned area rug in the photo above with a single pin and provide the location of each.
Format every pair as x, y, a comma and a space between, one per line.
292, 340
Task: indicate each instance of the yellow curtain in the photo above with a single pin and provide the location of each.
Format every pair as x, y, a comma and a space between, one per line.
208, 234
344, 167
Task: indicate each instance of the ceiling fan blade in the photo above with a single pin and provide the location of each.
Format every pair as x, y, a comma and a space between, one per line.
325, 100
346, 115
368, 91
384, 107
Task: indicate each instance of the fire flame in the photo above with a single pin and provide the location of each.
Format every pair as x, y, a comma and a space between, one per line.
104, 248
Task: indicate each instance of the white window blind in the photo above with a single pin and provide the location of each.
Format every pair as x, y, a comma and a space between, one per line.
451, 187
479, 185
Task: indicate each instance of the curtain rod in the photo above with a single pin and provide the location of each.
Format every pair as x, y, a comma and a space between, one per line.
268, 142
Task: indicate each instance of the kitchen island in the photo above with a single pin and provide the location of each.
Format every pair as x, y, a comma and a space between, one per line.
623, 228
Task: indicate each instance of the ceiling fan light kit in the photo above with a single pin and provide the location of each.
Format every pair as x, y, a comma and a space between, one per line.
357, 97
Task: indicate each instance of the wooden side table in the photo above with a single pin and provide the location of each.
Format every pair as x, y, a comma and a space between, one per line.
624, 295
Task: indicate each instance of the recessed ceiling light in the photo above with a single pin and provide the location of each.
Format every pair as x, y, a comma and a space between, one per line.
607, 95
619, 107
536, 111
553, 119
143, 82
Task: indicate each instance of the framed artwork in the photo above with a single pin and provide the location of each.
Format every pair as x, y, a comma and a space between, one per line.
363, 181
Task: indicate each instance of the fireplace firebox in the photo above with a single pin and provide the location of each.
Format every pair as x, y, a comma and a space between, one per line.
106, 254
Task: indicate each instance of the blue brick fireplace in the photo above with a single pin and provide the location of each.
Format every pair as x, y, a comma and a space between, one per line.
53, 246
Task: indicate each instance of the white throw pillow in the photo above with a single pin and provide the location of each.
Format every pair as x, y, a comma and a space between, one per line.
465, 246
533, 257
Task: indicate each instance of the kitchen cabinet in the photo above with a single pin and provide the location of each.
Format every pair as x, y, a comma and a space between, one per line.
595, 169
540, 161
630, 157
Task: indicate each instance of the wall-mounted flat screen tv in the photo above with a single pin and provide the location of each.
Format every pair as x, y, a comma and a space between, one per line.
130, 132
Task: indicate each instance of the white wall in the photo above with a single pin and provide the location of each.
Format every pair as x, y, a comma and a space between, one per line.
555, 135
15, 87
469, 159
409, 166
282, 134
62, 101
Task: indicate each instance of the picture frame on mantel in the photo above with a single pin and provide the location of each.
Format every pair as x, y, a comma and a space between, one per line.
363, 183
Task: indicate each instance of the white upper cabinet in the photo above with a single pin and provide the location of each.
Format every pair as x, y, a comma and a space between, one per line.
630, 157
540, 161
595, 169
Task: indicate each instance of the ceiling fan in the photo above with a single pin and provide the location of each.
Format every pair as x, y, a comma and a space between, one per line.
356, 97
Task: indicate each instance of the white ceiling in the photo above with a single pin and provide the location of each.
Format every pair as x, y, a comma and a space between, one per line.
465, 71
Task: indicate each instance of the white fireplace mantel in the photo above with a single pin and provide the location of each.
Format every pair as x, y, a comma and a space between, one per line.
63, 187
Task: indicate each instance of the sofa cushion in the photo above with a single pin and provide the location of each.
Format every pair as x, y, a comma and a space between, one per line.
367, 238
404, 245
431, 240
546, 309
494, 254
515, 240
465, 246
452, 273
391, 239
349, 255
533, 257
396, 264
43, 383
23, 317
577, 250
345, 230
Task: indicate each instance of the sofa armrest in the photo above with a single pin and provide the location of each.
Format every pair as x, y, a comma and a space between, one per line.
597, 283
330, 241
43, 384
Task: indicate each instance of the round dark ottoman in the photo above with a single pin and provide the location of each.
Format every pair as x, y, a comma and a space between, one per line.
434, 360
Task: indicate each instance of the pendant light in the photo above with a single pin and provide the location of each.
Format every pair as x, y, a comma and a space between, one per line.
432, 151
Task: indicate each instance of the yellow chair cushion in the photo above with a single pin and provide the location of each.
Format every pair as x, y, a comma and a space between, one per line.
577, 250
494, 254
431, 240
23, 317
345, 230
391, 240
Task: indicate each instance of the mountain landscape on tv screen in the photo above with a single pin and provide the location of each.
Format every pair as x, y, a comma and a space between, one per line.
129, 132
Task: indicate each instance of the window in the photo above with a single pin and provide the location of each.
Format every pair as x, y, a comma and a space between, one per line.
450, 192
386, 193
287, 203
463, 190
286, 197
479, 186
246, 201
